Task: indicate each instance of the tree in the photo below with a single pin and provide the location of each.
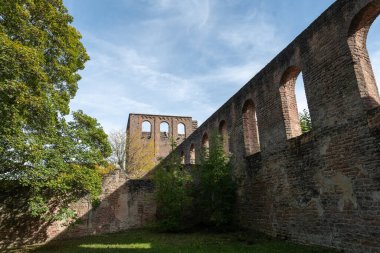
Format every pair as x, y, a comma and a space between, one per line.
45, 160
215, 192
172, 195
140, 155
118, 141
305, 121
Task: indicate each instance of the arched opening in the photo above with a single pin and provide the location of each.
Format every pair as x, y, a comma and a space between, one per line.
181, 129
357, 41
205, 145
373, 47
250, 129
182, 157
192, 153
146, 129
294, 103
224, 135
164, 129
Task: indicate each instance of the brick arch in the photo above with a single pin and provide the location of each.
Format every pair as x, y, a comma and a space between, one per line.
250, 129
289, 101
357, 41
205, 145
146, 128
223, 132
205, 141
192, 153
181, 129
163, 125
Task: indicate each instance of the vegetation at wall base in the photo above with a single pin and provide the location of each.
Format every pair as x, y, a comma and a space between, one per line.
215, 189
203, 197
173, 198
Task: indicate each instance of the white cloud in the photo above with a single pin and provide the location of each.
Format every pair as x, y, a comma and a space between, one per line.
193, 13
186, 58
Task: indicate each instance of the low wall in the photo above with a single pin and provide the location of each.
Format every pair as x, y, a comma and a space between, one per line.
125, 204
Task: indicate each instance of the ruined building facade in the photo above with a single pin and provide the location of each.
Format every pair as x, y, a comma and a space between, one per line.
321, 187
163, 132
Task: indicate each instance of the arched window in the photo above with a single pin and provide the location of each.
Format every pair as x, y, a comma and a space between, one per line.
192, 153
181, 129
205, 145
164, 129
250, 130
357, 41
224, 135
373, 47
294, 103
146, 129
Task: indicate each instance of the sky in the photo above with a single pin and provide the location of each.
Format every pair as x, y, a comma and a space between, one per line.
183, 57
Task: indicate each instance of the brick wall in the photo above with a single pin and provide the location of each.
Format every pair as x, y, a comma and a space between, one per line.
125, 204
322, 187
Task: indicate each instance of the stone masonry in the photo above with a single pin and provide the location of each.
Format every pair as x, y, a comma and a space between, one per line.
124, 204
155, 131
321, 187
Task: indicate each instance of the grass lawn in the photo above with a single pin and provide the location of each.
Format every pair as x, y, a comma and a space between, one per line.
149, 242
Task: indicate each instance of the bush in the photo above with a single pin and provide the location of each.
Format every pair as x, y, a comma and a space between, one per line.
216, 189
205, 198
173, 185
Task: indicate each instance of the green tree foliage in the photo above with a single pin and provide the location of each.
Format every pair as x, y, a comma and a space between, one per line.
216, 188
47, 159
305, 121
173, 198
204, 197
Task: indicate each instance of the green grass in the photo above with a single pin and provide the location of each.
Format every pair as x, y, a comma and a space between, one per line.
148, 242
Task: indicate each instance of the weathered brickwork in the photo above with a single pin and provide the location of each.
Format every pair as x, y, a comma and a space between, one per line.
124, 204
322, 187
162, 138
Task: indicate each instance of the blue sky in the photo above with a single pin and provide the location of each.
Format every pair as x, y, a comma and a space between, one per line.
182, 57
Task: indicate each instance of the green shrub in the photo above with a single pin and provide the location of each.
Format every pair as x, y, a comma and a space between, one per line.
204, 197
215, 191
173, 184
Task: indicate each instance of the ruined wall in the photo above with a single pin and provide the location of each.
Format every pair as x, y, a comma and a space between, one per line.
321, 187
163, 140
124, 204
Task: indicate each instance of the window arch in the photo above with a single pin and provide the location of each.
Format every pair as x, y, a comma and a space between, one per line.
181, 129
357, 41
146, 129
164, 129
294, 103
192, 153
205, 145
224, 135
250, 129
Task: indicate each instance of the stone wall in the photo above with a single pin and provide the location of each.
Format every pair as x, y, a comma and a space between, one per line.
124, 204
162, 141
321, 187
